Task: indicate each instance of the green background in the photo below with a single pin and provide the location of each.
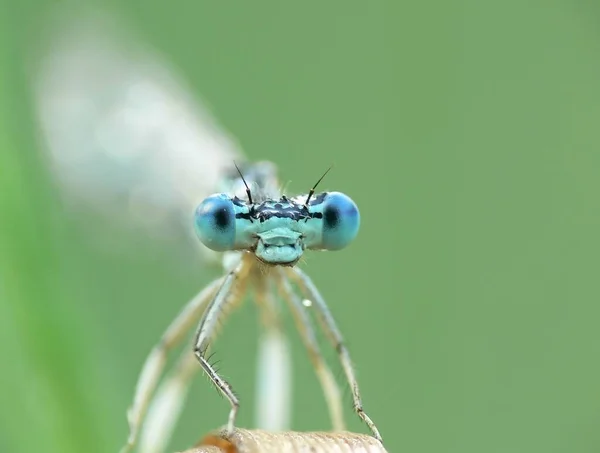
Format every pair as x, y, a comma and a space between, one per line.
468, 134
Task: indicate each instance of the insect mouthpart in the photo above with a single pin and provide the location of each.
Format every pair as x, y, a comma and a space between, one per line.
279, 247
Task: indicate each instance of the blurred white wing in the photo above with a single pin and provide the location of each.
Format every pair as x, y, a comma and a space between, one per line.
122, 133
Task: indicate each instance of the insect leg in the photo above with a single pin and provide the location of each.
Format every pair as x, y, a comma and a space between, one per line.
274, 378
165, 408
337, 340
155, 362
229, 293
324, 374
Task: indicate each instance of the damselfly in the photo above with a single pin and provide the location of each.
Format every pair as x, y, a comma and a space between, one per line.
135, 120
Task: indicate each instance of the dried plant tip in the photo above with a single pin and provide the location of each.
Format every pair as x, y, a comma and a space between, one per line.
258, 441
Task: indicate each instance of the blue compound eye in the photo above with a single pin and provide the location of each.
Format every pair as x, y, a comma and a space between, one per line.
215, 223
340, 221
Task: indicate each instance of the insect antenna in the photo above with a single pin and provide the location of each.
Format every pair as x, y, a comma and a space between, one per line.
312, 191
245, 183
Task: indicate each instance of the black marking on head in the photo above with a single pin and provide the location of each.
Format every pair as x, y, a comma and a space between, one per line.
282, 209
318, 199
238, 202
